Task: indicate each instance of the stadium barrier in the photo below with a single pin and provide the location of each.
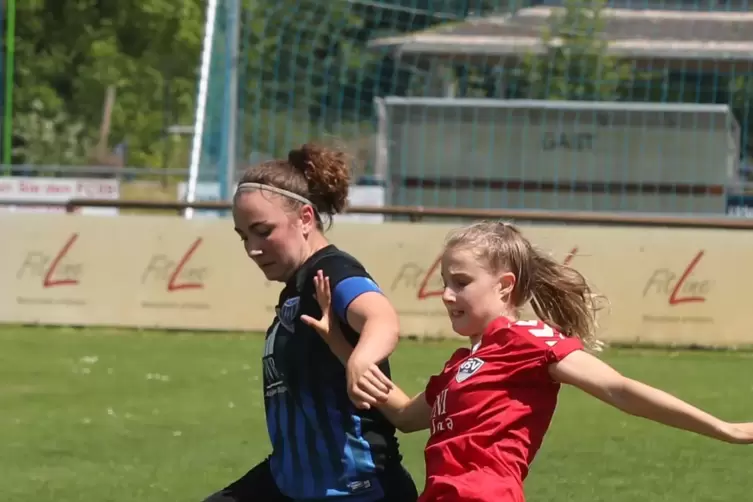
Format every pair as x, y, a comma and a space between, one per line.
666, 285
420, 213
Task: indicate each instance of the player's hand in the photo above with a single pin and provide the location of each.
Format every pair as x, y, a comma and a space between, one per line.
739, 433
326, 325
367, 385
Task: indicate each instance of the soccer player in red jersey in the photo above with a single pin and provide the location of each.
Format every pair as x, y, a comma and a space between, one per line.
490, 407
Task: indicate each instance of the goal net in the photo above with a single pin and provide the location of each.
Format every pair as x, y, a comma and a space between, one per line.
558, 105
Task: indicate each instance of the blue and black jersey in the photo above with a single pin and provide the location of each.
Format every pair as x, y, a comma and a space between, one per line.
322, 445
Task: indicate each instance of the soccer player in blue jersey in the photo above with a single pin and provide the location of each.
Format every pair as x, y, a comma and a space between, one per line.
328, 439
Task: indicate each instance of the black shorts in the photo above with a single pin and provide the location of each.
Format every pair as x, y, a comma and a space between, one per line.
258, 485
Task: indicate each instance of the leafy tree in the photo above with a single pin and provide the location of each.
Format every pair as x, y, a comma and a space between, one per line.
575, 64
69, 51
49, 138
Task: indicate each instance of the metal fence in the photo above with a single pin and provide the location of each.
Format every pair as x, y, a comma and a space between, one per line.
316, 71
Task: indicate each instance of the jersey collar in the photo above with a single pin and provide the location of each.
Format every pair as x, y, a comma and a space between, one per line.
497, 324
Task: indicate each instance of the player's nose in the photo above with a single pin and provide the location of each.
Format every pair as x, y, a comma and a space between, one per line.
253, 249
448, 296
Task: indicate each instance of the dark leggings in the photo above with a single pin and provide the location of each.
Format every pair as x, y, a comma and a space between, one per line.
258, 485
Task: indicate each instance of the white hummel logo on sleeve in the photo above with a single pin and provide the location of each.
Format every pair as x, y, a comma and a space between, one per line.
547, 332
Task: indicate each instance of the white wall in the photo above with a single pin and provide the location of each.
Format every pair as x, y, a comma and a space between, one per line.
560, 147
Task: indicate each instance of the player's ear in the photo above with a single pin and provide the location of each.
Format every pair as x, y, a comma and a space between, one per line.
307, 214
507, 282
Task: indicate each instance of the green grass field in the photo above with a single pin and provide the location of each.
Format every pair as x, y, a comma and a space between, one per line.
121, 416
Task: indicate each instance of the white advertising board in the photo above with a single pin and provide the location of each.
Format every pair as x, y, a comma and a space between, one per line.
19, 188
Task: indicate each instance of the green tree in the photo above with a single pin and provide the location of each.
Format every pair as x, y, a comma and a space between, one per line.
575, 64
305, 72
70, 51
47, 138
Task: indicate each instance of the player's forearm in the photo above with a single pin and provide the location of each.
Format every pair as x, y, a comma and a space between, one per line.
378, 339
340, 347
395, 406
641, 400
406, 414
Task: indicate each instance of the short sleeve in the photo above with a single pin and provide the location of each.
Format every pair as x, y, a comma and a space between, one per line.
563, 348
348, 290
537, 341
348, 280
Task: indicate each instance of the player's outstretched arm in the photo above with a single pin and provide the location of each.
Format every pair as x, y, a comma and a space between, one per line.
405, 413
597, 378
367, 386
372, 315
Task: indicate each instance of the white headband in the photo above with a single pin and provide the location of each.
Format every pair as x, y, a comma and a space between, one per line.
250, 187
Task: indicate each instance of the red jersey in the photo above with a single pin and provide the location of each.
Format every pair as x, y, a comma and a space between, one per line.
490, 411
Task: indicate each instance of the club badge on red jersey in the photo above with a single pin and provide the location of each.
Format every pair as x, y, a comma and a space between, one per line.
468, 368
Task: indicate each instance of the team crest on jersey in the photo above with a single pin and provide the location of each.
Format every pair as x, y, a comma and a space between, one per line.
468, 368
288, 313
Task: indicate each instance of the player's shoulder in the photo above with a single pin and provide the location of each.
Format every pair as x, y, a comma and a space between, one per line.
451, 364
528, 333
455, 358
333, 262
337, 264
